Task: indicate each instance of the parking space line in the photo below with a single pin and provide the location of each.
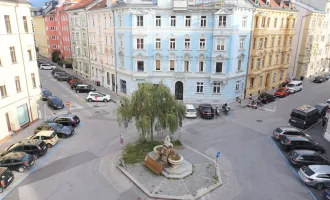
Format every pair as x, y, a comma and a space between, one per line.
287, 162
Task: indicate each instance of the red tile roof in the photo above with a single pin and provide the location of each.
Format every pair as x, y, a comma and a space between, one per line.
101, 4
81, 4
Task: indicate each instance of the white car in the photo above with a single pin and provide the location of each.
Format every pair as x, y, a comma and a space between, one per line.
47, 66
295, 86
190, 111
328, 102
98, 96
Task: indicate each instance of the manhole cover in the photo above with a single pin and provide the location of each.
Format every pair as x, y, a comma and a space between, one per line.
97, 111
259, 120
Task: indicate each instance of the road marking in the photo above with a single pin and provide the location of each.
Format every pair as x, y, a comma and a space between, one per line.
278, 149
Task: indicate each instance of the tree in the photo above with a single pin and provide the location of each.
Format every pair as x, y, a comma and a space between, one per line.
151, 107
56, 56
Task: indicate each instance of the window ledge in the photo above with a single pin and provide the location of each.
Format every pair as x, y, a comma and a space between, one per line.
186, 50
202, 50
220, 50
216, 94
199, 93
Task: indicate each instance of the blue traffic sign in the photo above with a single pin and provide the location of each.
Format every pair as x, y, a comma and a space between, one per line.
218, 154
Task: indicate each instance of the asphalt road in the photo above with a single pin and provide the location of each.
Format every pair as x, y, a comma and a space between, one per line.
83, 167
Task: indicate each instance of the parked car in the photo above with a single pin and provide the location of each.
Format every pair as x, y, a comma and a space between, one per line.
56, 74
61, 131
70, 77
206, 111
304, 116
45, 94
98, 96
295, 86
190, 111
282, 92
298, 142
62, 76
83, 88
326, 77
6, 178
322, 109
317, 176
18, 161
319, 79
74, 85
36, 148
288, 130
299, 158
57, 70
49, 137
47, 66
76, 81
65, 119
39, 62
55, 103
328, 102
326, 194
266, 98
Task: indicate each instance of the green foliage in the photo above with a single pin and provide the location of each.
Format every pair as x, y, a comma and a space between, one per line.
56, 56
151, 107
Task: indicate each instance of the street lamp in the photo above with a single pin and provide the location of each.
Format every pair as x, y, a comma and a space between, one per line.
297, 50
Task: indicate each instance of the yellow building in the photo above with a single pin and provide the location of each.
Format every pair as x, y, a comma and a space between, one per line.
40, 35
271, 45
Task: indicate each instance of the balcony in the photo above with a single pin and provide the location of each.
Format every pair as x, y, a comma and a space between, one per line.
140, 75
218, 77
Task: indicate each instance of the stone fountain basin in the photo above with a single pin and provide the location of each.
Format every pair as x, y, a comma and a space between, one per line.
155, 149
176, 162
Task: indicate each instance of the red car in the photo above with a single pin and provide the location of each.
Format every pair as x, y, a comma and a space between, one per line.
282, 92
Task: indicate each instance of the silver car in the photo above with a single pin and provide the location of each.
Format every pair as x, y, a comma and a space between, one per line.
288, 130
317, 176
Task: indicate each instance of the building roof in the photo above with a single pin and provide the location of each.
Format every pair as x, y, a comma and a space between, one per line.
35, 9
19, 1
100, 4
273, 4
82, 4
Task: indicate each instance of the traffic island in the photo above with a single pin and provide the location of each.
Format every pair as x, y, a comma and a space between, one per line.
203, 177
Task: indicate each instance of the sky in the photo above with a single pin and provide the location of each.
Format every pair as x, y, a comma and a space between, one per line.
38, 2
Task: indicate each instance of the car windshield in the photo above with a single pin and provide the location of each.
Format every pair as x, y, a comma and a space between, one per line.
307, 171
46, 92
56, 100
278, 130
298, 115
58, 126
319, 107
26, 158
291, 85
191, 110
294, 154
53, 135
281, 90
207, 109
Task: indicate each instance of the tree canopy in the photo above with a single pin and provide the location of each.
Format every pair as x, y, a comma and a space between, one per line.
151, 107
56, 56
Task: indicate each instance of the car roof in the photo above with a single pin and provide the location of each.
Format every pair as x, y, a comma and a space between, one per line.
305, 108
289, 128
13, 155
295, 82
320, 168
189, 106
297, 138
44, 133
54, 97
206, 105
29, 141
305, 152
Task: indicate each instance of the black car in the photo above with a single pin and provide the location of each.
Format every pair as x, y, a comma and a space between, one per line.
55, 103
319, 79
62, 76
36, 148
299, 142
266, 98
6, 178
56, 70
326, 194
83, 88
60, 130
18, 161
65, 119
45, 94
206, 111
74, 85
299, 158
322, 109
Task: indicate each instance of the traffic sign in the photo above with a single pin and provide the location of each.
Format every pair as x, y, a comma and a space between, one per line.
68, 103
218, 154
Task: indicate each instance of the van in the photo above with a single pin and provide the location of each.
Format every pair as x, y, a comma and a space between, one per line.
295, 86
83, 88
190, 111
304, 116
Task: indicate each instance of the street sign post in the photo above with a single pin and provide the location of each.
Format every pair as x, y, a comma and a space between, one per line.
216, 160
96, 97
68, 104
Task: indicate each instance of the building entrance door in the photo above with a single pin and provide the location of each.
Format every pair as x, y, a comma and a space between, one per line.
179, 90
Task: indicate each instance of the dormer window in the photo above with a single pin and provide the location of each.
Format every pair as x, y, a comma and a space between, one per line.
257, 2
268, 3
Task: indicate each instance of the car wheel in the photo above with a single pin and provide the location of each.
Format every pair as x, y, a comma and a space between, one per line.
1, 189
64, 136
21, 169
319, 186
89, 100
41, 68
49, 145
35, 156
105, 100
77, 91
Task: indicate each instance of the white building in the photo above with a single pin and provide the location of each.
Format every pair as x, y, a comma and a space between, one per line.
19, 77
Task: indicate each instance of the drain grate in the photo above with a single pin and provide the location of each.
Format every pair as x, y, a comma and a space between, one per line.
97, 111
259, 120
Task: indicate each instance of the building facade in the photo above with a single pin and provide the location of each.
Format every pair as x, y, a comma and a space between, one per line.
200, 51
271, 45
19, 78
40, 35
101, 45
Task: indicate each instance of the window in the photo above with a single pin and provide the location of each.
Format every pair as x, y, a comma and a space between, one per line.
30, 54
241, 43
18, 84
244, 20
139, 43
188, 21
201, 66
140, 66
222, 21
158, 43
123, 88
157, 65
13, 54
220, 44
239, 65
258, 63
261, 40
279, 41
270, 60
218, 67
263, 61
54, 47
7, 22
282, 21
216, 87
158, 21
293, 23
187, 44
254, 42
25, 23
52, 28
34, 85
3, 91
203, 21
265, 43
263, 22
268, 22
202, 44
273, 41
287, 58
139, 20
274, 77
287, 23
172, 65
290, 41
284, 42
281, 75
256, 23
172, 43
237, 85
200, 87
53, 37
276, 59
260, 81
251, 82
186, 65
173, 21
51, 18
105, 21
252, 63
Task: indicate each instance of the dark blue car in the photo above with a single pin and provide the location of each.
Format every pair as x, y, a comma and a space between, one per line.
326, 194
55, 103
45, 94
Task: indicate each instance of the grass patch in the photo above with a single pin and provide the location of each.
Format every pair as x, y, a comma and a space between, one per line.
135, 153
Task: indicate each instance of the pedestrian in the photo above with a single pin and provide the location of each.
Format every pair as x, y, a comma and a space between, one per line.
324, 121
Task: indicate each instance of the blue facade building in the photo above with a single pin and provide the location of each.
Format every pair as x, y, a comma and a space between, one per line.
200, 51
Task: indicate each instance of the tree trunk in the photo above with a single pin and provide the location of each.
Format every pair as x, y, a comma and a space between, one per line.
152, 131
